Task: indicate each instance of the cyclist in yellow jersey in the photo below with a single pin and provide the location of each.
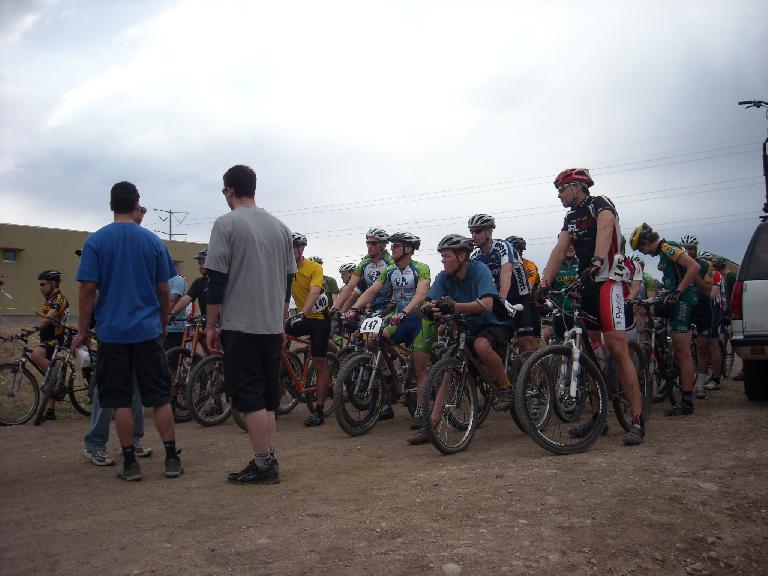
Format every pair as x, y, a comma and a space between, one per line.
312, 319
50, 323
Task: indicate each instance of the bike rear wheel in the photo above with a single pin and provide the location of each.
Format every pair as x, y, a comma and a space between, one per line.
79, 391
181, 361
51, 385
207, 401
289, 396
452, 392
620, 402
19, 394
358, 394
555, 420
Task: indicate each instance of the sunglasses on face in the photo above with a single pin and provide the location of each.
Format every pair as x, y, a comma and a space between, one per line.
477, 230
43, 284
371, 242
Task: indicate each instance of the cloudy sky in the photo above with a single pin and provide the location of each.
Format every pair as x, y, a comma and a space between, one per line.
405, 115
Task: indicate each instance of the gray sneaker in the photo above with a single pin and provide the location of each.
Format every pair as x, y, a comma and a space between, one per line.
634, 435
701, 393
131, 472
140, 450
98, 457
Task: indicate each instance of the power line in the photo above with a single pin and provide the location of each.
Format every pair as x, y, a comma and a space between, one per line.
170, 218
497, 186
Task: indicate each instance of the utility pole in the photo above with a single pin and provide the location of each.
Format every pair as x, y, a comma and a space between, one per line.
170, 219
761, 104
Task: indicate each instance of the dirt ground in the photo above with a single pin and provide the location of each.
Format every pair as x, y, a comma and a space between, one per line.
691, 500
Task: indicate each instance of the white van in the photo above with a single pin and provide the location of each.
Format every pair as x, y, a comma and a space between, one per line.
749, 315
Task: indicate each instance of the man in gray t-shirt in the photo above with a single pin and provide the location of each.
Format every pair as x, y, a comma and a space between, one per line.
250, 259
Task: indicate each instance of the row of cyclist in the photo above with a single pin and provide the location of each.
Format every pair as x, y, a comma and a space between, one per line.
481, 273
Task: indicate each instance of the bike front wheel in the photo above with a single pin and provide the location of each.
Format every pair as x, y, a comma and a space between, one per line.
557, 421
357, 394
452, 393
181, 361
205, 392
19, 394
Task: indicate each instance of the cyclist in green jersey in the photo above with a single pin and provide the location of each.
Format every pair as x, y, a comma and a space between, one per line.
409, 281
368, 270
679, 272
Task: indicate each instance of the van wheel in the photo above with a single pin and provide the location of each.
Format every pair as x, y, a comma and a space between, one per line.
756, 380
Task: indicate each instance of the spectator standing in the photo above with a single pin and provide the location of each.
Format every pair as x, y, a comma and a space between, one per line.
130, 267
249, 262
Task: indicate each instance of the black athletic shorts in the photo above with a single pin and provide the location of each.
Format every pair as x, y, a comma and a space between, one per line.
251, 368
116, 365
498, 336
319, 331
528, 320
172, 340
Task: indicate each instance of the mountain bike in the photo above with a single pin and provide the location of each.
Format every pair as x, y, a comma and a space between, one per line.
369, 377
298, 377
459, 387
63, 379
181, 360
569, 385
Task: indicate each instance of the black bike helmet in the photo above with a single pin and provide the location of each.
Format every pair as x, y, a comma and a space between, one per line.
481, 221
518, 243
202, 255
299, 239
51, 276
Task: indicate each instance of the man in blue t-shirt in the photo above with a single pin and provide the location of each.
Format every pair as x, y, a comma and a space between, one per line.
130, 268
466, 287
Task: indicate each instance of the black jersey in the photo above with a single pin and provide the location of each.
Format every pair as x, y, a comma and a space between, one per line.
199, 291
581, 224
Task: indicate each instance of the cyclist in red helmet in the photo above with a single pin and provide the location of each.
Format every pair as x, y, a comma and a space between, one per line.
592, 224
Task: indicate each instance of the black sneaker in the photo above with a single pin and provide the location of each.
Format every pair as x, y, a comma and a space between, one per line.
586, 428
316, 419
421, 437
634, 435
681, 409
130, 472
387, 413
50, 415
173, 467
505, 400
253, 474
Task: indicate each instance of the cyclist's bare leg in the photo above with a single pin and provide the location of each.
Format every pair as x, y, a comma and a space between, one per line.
616, 342
40, 358
491, 360
262, 430
714, 356
163, 416
323, 378
420, 364
681, 342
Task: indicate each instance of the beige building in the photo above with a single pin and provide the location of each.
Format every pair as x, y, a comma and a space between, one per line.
28, 250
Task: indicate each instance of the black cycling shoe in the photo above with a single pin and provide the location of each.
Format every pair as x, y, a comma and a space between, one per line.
681, 409
634, 435
254, 474
421, 437
583, 430
316, 419
387, 413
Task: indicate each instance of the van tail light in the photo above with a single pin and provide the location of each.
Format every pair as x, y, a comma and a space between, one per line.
737, 298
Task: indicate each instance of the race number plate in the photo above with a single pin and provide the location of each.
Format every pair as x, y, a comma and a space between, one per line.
371, 325
320, 304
